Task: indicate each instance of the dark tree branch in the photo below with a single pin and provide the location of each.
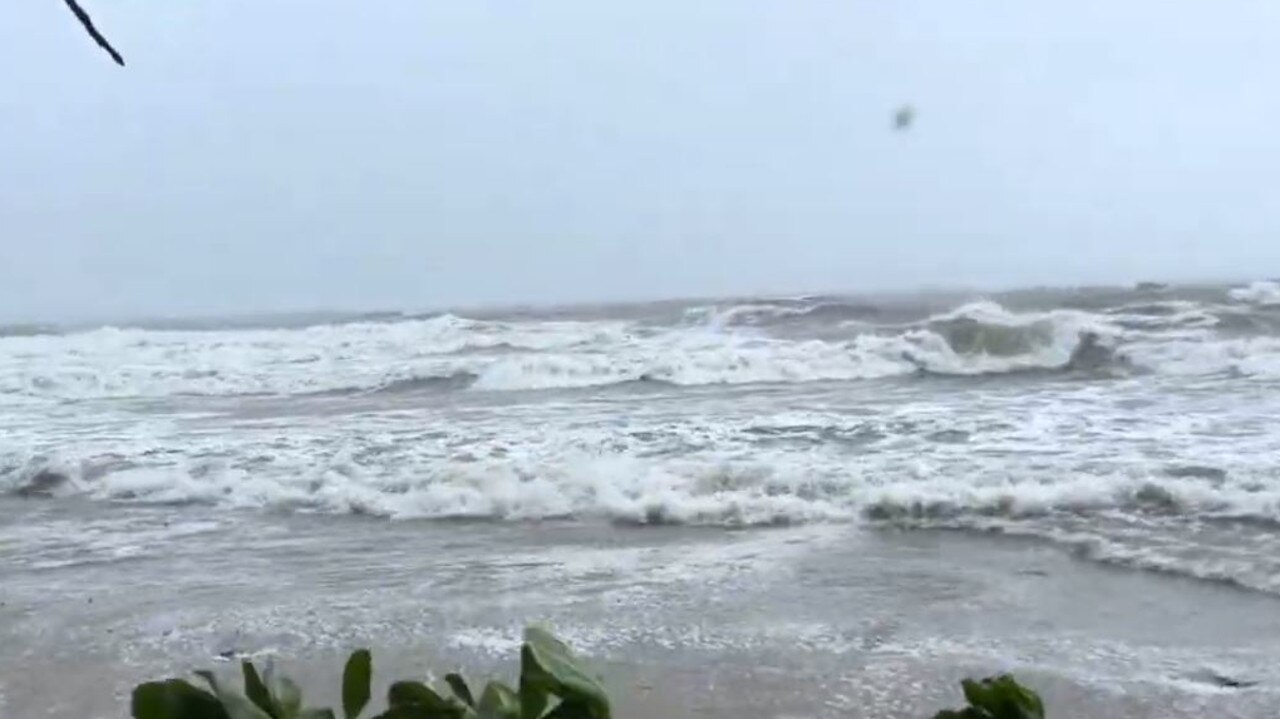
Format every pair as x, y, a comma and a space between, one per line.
87, 22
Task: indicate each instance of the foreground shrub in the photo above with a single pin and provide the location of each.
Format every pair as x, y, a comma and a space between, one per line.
553, 684
997, 698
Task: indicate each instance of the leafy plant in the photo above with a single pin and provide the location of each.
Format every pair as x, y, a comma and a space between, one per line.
999, 697
554, 684
356, 678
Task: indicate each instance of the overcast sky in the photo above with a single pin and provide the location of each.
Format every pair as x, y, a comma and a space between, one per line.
290, 154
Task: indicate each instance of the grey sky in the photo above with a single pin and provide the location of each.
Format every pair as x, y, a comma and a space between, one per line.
407, 153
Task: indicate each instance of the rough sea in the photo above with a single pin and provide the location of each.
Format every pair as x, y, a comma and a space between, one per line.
813, 505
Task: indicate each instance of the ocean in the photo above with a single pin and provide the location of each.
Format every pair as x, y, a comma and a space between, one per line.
781, 506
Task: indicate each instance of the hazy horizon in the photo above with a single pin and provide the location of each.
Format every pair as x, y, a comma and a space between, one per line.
404, 156
304, 316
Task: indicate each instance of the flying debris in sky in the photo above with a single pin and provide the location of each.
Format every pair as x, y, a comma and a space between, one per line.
903, 118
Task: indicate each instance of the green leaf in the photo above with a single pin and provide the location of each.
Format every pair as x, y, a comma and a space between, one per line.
413, 693
316, 714
498, 701
174, 699
208, 678
256, 690
238, 707
356, 679
409, 711
534, 696
235, 706
424, 700
1003, 697
285, 696
460, 689
977, 693
570, 710
1021, 702
547, 665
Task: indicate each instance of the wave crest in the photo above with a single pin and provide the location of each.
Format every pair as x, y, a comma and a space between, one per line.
739, 345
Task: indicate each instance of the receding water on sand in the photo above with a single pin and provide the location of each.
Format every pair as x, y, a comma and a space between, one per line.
826, 620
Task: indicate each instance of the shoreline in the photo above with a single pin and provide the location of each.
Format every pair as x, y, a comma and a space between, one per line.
808, 621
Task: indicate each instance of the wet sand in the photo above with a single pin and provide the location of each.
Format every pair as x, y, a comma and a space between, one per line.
817, 621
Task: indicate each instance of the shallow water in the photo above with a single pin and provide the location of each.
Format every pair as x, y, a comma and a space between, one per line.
822, 620
823, 489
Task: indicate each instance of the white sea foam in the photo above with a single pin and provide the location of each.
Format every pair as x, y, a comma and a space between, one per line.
538, 355
454, 417
449, 352
1262, 293
792, 468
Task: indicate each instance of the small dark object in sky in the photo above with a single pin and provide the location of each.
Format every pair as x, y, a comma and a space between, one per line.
87, 22
903, 118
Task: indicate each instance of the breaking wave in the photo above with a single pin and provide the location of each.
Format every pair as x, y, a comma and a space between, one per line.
1161, 522
449, 353
444, 383
1131, 427
767, 489
774, 312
